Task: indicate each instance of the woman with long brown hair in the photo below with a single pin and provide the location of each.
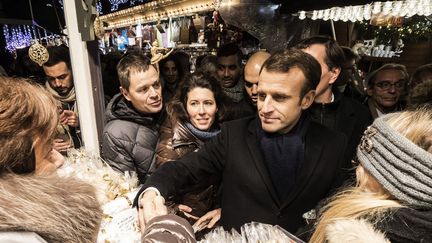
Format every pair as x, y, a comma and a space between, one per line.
194, 117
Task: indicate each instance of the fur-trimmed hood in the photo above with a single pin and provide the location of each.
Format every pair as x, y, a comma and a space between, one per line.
354, 231
57, 209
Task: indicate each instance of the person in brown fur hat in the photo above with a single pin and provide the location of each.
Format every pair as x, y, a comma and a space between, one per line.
36, 205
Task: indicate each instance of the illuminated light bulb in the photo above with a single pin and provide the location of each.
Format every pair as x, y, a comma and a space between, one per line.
376, 7
359, 13
352, 13
314, 15
345, 14
332, 13
338, 14
411, 7
320, 14
404, 9
427, 9
412, 4
302, 15
421, 7
326, 14
387, 7
397, 7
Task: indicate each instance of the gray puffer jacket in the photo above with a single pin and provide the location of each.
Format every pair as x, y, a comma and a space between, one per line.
129, 138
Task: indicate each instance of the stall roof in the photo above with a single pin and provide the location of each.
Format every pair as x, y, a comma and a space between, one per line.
14, 11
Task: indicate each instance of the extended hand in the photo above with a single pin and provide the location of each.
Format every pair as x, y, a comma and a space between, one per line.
186, 210
60, 145
208, 220
68, 117
150, 206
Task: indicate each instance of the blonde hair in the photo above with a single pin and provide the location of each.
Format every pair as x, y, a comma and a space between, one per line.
28, 113
368, 199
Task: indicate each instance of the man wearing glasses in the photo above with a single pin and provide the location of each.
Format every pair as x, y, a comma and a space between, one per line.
59, 82
386, 86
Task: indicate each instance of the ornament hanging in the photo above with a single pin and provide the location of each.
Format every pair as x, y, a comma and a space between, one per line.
38, 53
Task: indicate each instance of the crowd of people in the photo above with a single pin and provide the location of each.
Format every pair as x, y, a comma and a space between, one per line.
292, 138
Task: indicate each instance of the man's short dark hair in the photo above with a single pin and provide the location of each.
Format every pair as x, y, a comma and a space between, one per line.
58, 54
334, 58
284, 60
229, 50
133, 62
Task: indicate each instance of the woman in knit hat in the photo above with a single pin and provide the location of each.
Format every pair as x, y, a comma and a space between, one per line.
393, 195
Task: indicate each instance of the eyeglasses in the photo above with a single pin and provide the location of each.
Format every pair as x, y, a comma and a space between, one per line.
386, 85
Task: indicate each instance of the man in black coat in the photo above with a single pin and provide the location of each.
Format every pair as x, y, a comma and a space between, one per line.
274, 167
331, 108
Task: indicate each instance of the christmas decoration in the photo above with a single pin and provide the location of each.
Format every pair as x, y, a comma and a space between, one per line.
38, 53
414, 29
407, 8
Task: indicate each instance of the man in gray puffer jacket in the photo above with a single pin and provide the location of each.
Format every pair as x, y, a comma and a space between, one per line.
133, 117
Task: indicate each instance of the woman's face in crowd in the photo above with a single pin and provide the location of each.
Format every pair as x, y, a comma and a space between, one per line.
171, 72
201, 108
47, 158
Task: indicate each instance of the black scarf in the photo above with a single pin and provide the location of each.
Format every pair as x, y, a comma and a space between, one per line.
284, 154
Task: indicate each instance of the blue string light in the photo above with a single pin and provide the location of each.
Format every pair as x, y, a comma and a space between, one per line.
115, 4
21, 36
99, 7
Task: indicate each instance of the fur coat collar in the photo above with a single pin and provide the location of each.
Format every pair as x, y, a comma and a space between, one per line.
57, 209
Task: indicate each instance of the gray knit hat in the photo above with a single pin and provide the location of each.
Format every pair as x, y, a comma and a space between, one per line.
401, 167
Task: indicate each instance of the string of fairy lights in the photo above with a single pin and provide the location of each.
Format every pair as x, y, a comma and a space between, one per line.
406, 8
22, 36
156, 10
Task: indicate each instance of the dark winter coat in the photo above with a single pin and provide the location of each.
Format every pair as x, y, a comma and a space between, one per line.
407, 225
344, 115
129, 138
175, 142
248, 192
